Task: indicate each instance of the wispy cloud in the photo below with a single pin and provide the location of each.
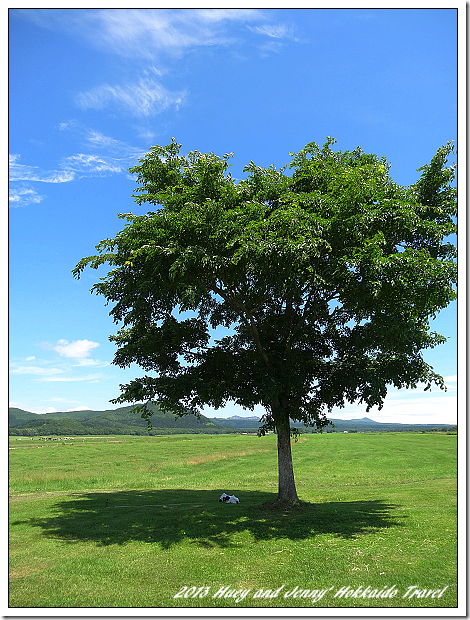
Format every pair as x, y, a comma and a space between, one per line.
115, 153
145, 98
34, 370
94, 378
86, 164
23, 197
53, 374
145, 33
217, 15
91, 362
99, 140
277, 34
73, 167
270, 47
61, 371
20, 172
156, 34
105, 156
150, 33
281, 31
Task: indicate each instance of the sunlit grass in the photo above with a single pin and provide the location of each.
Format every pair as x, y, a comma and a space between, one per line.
375, 510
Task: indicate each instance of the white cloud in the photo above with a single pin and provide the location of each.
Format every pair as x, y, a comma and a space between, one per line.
217, 15
408, 407
450, 379
151, 33
33, 370
45, 409
271, 47
23, 197
90, 378
33, 409
73, 167
38, 410
155, 35
90, 362
146, 134
98, 139
76, 349
113, 157
20, 172
277, 32
90, 164
145, 98
79, 409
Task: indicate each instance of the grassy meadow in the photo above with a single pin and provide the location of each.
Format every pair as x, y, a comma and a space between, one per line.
136, 522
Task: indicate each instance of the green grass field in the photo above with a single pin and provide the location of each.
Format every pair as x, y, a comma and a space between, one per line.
136, 522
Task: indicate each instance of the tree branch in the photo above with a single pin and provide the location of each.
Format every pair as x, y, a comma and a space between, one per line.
248, 318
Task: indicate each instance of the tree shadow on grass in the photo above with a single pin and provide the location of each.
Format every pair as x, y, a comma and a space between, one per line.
169, 516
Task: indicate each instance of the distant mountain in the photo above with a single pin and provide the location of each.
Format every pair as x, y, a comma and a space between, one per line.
18, 416
240, 417
119, 421
361, 424
237, 422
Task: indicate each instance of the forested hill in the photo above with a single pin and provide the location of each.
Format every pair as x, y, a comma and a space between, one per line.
122, 421
119, 421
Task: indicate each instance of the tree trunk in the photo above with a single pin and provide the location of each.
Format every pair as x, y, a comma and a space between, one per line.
286, 488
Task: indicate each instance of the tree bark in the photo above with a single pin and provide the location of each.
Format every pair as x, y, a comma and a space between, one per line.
286, 485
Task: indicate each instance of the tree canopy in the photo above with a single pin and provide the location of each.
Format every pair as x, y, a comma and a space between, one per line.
325, 275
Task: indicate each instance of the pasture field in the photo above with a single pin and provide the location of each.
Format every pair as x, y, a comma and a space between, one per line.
135, 522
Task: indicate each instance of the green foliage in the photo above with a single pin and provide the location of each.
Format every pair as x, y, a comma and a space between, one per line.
327, 278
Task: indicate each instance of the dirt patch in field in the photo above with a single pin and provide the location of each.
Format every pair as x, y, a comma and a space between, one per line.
14, 496
26, 571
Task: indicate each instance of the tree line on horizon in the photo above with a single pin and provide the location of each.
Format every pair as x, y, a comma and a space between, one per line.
123, 422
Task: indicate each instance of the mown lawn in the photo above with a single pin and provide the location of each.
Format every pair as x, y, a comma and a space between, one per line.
136, 522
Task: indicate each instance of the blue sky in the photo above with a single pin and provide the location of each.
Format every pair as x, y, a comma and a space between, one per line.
92, 89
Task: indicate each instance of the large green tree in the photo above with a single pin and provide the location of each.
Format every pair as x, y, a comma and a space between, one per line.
327, 274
